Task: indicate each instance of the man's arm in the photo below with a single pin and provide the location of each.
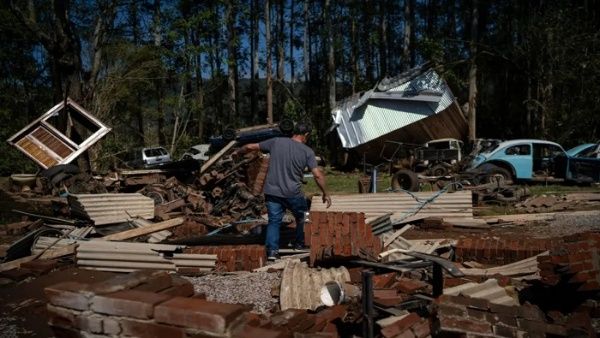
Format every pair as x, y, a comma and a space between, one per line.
320, 180
247, 148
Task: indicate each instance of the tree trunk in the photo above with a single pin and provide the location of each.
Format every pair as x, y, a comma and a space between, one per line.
254, 58
231, 61
305, 46
330, 56
354, 47
160, 83
292, 61
383, 57
408, 26
473, 71
280, 43
269, 79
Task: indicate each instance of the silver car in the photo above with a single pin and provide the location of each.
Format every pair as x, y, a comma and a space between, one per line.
147, 157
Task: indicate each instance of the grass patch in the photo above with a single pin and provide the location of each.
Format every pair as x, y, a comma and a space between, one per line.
339, 183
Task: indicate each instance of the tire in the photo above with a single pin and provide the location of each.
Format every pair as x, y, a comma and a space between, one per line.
405, 180
439, 170
286, 126
498, 175
229, 134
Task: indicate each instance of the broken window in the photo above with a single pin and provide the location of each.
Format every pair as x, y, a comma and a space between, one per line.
60, 135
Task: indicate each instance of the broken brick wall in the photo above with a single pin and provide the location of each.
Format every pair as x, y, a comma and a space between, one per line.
156, 304
334, 235
498, 251
234, 257
575, 262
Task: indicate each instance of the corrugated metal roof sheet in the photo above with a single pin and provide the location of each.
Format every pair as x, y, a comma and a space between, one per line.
362, 119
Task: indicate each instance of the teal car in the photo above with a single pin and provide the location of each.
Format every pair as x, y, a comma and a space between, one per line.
535, 160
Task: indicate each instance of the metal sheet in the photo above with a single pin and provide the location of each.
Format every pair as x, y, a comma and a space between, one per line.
361, 119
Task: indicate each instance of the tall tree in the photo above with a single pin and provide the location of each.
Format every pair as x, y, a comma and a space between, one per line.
232, 59
268, 66
473, 70
254, 57
408, 33
331, 80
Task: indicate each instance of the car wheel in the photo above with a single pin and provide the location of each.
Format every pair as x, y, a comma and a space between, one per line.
405, 180
439, 170
498, 175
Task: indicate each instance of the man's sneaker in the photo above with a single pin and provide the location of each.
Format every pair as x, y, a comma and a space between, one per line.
272, 255
300, 247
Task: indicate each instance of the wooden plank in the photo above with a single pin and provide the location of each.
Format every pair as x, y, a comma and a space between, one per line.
128, 234
217, 156
50, 254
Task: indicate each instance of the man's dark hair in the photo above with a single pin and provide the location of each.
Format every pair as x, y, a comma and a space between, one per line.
302, 128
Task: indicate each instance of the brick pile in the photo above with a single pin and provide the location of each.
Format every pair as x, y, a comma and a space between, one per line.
155, 304
575, 262
340, 235
234, 257
473, 316
498, 251
257, 173
389, 290
410, 326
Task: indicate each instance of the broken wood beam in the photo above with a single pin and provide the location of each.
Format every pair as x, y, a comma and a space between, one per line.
50, 254
128, 234
217, 156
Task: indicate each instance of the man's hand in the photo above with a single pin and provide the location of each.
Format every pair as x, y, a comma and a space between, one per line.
327, 200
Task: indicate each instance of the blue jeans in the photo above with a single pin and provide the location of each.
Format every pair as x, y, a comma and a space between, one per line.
276, 208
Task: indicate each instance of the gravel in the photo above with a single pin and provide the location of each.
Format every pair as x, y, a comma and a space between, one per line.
566, 224
240, 288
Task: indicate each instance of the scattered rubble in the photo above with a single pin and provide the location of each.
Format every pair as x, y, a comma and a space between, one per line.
184, 243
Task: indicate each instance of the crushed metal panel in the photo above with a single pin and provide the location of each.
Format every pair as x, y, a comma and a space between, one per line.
402, 101
47, 146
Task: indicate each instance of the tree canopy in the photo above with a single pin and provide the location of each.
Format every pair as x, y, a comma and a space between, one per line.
175, 72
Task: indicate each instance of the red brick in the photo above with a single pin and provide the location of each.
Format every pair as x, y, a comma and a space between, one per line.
332, 313
384, 280
65, 318
160, 282
385, 293
124, 282
111, 326
72, 295
542, 327
198, 314
17, 274
446, 309
401, 325
252, 332
451, 324
504, 331
421, 329
149, 329
130, 303
410, 286
389, 301
180, 288
40, 266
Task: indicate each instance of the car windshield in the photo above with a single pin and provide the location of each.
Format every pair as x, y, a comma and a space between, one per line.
155, 152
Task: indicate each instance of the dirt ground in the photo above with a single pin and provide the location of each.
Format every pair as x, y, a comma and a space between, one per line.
23, 305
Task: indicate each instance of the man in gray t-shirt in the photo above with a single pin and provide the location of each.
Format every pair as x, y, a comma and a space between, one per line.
283, 185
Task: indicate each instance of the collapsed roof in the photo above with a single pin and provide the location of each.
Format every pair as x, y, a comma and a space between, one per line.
416, 106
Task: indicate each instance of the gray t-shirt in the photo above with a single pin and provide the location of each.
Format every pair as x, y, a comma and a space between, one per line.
286, 165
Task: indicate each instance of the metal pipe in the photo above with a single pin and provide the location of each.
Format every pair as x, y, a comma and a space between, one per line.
367, 303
